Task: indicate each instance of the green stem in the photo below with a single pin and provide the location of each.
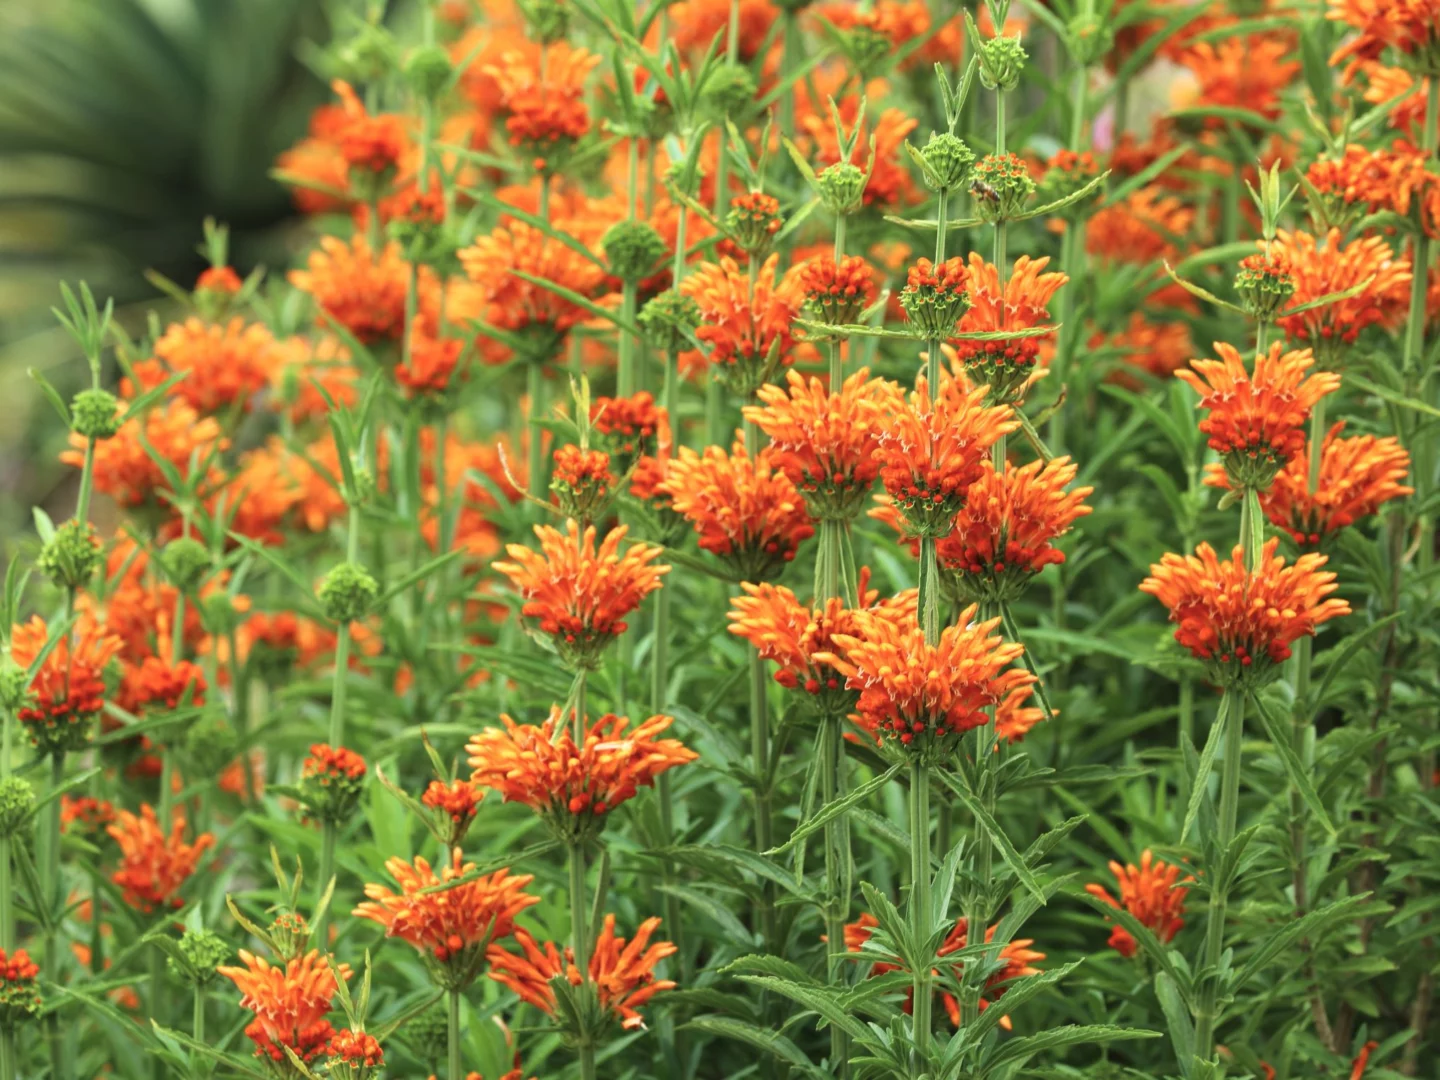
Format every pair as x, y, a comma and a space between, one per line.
197, 1030
837, 860
625, 368
921, 920
580, 943
535, 459
452, 1041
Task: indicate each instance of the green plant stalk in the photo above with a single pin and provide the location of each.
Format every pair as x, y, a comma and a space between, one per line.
336, 735
921, 920
1072, 249
837, 857
580, 944
535, 456
452, 1035
197, 1029
1414, 356
929, 598
625, 365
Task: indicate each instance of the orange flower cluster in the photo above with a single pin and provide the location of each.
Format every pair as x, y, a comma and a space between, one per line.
572, 787
582, 482
1005, 366
1154, 894
629, 427
68, 691
747, 324
931, 451
922, 696
824, 441
289, 1003
356, 1049
1242, 624
361, 291
744, 509
224, 364
1317, 270
1411, 27
1257, 421
124, 467
837, 294
621, 974
373, 144
1357, 476
581, 594
450, 927
153, 866
547, 113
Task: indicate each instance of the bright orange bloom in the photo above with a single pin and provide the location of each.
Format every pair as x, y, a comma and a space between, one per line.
837, 294
1243, 624
369, 143
582, 482
1159, 347
314, 169
581, 594
433, 365
1257, 421
1004, 533
451, 928
1154, 894
1410, 27
629, 427
301, 363
124, 469
1241, 72
749, 328
795, 635
1005, 366
263, 492
361, 292
1140, 230
934, 297
572, 787
744, 509
455, 803
289, 1003
825, 442
930, 452
694, 24
1016, 958
919, 694
157, 682
1362, 179
68, 691
332, 762
623, 974
153, 866
223, 363
1361, 1060
356, 1049
91, 813
513, 304
1357, 476
1318, 270
546, 114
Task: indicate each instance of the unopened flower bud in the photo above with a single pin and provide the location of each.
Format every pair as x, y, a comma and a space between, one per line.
331, 780
668, 320
1264, 287
547, 20
1000, 187
632, 248
731, 90
289, 935
842, 187
70, 557
17, 802
203, 951
367, 57
1065, 174
211, 744
1089, 38
1001, 61
946, 161
934, 297
186, 562
95, 414
753, 221
14, 685
348, 592
427, 70
19, 999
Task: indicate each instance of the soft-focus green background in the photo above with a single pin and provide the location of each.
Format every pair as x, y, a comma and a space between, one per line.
123, 124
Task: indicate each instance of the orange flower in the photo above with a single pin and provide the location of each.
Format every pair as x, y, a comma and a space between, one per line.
222, 363
1005, 366
124, 469
581, 595
289, 1003
1159, 348
1361, 1060
934, 297
154, 867
262, 492
629, 427
1241, 72
930, 452
923, 695
1357, 476
825, 442
301, 363
451, 928
68, 691
355, 1049
1153, 894
513, 304
1142, 229
748, 325
91, 813
432, 366
1003, 535
571, 787
1335, 267
1362, 180
314, 169
547, 113
744, 509
157, 681
455, 803
695, 23
837, 294
361, 292
368, 143
582, 482
1410, 27
19, 998
1242, 624
622, 974
1257, 422
796, 636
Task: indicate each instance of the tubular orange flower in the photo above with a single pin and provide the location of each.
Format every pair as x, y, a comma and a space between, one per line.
825, 442
581, 595
223, 363
744, 509
314, 169
1154, 894
1257, 422
68, 691
934, 297
837, 294
452, 928
157, 682
373, 144
748, 325
361, 292
924, 696
573, 788
1005, 366
124, 469
455, 803
931, 452
86, 810
582, 482
516, 305
433, 364
1362, 179
1160, 348
629, 427
547, 114
1361, 1061
331, 780
1357, 476
19, 998
289, 1003
1319, 270
153, 866
356, 1049
1241, 624
1410, 27
621, 974
1241, 72
1003, 535
795, 636
1140, 230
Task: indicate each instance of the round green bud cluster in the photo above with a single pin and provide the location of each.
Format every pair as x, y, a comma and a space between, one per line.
348, 592
211, 744
1089, 37
547, 20
1264, 287
367, 57
203, 951
668, 320
427, 71
17, 802
14, 685
220, 613
289, 935
365, 486
731, 90
1001, 61
1000, 187
632, 248
95, 414
752, 222
1066, 173
19, 1001
186, 561
793, 6
428, 1035
70, 557
946, 161
869, 49
841, 187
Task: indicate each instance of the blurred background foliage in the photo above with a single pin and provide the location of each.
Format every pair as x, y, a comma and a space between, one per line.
123, 124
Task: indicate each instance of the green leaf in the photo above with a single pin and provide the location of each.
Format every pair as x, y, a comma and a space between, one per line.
1203, 294
1144, 937
1016, 1051
757, 1037
819, 999
715, 912
1281, 740
1392, 396
1310, 926
1177, 1019
1205, 764
830, 811
997, 835
51, 395
496, 862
